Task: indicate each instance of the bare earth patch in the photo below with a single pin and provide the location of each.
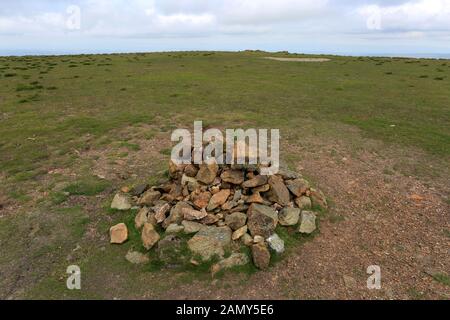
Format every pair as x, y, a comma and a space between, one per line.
299, 59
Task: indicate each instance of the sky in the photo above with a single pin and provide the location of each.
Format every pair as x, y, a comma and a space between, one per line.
397, 27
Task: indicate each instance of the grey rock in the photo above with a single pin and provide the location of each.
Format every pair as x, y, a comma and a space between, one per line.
174, 228
121, 201
210, 241
191, 226
289, 216
308, 222
236, 220
276, 243
303, 202
262, 220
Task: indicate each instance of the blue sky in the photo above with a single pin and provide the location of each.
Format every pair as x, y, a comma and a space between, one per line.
312, 26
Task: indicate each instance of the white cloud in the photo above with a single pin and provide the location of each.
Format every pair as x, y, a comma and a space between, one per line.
421, 15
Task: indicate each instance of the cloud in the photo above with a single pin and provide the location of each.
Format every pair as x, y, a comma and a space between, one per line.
274, 23
422, 15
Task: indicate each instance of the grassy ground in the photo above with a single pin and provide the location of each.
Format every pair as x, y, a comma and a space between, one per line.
76, 128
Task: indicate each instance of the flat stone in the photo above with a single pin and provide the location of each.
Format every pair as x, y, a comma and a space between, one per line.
308, 222
191, 214
218, 199
258, 239
276, 243
149, 236
210, 219
289, 216
239, 233
262, 220
255, 182
210, 241
298, 187
233, 176
118, 233
236, 220
263, 188
261, 255
174, 228
121, 201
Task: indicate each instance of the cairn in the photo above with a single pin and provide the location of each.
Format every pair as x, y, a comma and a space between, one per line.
219, 208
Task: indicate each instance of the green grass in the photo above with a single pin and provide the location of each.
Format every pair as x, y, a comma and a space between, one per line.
442, 278
56, 108
87, 187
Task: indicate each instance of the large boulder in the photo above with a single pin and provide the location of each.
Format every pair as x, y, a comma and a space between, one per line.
210, 242
262, 220
278, 193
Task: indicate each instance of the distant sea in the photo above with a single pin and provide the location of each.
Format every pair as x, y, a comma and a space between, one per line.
354, 54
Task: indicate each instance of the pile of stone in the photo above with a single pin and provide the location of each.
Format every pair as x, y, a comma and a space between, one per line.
220, 208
